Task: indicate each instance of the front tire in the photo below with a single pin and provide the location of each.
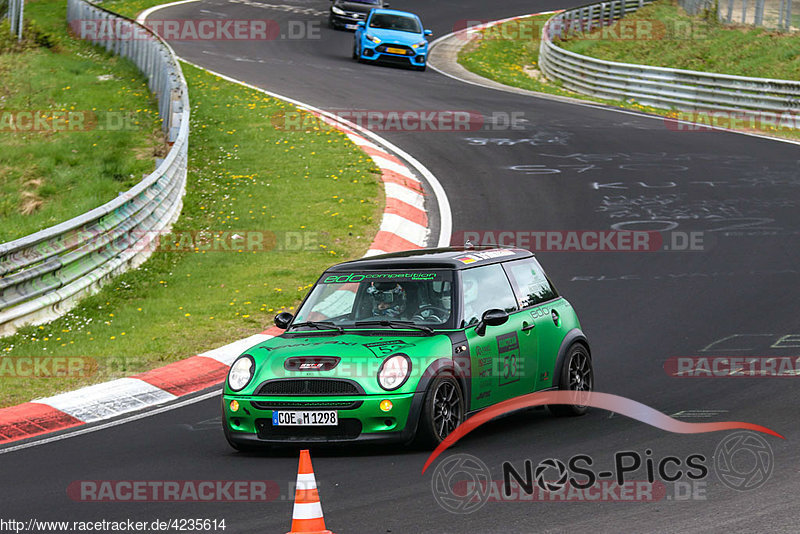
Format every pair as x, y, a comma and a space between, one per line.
577, 374
442, 411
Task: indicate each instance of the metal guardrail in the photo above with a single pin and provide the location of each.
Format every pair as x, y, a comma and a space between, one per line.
14, 11
773, 14
44, 274
654, 86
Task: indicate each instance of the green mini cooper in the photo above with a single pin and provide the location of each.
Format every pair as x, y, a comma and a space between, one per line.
403, 347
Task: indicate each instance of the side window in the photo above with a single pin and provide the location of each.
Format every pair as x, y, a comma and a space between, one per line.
485, 288
530, 283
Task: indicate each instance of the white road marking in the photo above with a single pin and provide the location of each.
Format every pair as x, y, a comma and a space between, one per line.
111, 424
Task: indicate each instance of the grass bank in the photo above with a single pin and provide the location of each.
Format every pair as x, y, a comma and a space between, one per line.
310, 195
680, 41
97, 133
509, 53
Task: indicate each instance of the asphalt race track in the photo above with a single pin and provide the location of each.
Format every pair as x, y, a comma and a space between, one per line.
580, 168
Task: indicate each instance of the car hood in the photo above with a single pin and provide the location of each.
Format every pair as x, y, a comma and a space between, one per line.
355, 6
395, 36
356, 357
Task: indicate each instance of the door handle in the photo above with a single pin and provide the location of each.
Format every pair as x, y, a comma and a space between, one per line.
526, 327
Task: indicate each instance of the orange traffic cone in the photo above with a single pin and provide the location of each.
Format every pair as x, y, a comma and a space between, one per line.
307, 514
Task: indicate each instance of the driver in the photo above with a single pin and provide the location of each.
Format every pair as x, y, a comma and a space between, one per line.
388, 299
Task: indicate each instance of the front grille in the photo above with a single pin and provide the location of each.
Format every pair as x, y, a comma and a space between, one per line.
355, 15
309, 386
311, 363
406, 50
326, 405
346, 429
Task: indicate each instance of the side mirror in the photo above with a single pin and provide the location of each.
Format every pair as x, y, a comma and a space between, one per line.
493, 317
361, 25
283, 319
427, 33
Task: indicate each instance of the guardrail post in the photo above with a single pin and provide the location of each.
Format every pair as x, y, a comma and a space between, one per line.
759, 18
729, 16
744, 11
788, 18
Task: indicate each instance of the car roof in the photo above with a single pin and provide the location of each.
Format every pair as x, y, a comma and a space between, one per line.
435, 258
393, 12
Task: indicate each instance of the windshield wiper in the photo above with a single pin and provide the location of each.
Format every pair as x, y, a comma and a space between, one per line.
395, 324
320, 325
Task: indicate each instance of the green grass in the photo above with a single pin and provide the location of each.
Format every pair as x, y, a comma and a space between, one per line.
244, 175
131, 8
698, 43
509, 53
49, 176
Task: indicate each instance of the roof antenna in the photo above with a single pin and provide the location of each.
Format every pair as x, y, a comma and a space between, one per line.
468, 245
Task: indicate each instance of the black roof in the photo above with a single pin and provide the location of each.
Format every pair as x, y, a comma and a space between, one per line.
434, 258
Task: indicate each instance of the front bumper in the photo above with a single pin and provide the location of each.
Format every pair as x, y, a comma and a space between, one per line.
363, 421
378, 52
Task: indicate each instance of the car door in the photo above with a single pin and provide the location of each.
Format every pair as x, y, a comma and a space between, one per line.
539, 314
494, 355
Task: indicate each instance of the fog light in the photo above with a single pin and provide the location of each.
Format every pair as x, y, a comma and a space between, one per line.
234, 406
386, 405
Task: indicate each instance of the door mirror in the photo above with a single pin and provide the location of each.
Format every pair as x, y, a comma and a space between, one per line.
361, 25
427, 33
493, 317
283, 319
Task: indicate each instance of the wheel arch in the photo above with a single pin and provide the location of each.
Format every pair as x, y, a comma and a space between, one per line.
574, 336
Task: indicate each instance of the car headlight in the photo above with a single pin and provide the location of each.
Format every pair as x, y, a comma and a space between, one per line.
419, 45
372, 38
337, 10
241, 372
394, 371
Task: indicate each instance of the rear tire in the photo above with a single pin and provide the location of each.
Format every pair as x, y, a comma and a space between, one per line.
577, 374
442, 411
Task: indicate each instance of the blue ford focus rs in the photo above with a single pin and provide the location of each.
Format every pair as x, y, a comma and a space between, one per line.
393, 37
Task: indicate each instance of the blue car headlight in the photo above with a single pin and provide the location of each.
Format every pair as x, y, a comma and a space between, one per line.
372, 39
421, 44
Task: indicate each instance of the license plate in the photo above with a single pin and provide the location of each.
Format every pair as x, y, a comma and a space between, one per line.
351, 26
395, 50
317, 418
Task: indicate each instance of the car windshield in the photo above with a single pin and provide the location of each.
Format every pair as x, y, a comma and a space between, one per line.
380, 299
385, 21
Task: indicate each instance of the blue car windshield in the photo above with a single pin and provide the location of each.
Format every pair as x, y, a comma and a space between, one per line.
386, 21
